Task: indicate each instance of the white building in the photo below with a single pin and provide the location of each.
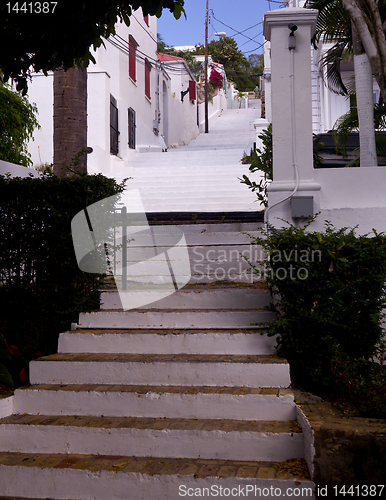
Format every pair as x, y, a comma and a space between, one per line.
130, 103
179, 101
327, 106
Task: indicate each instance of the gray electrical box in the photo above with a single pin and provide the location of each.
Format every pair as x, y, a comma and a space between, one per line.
302, 207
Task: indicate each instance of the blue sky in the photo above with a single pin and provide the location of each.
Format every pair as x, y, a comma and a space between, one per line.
228, 15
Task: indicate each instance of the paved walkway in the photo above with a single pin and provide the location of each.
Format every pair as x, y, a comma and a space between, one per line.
201, 177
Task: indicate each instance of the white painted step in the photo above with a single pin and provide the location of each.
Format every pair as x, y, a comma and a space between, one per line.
82, 477
178, 438
167, 342
200, 298
175, 318
157, 401
136, 369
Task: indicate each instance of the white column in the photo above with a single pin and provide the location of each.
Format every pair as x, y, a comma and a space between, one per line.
291, 109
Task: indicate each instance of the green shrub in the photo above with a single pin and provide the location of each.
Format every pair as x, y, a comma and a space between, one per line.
260, 161
42, 289
330, 291
362, 384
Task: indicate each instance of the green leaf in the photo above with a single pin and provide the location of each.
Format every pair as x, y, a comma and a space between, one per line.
5, 376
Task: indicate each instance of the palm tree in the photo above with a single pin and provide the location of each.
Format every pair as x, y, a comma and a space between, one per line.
70, 120
334, 25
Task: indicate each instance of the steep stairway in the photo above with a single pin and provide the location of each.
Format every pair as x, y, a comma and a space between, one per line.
181, 397
200, 177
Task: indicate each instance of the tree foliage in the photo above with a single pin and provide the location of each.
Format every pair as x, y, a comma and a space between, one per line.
17, 123
65, 35
238, 68
334, 24
369, 17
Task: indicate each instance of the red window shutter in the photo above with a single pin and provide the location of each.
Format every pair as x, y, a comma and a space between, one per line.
147, 79
192, 90
146, 19
132, 57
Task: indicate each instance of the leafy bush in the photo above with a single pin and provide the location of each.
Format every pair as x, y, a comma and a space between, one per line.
42, 289
362, 384
330, 291
215, 78
17, 123
260, 160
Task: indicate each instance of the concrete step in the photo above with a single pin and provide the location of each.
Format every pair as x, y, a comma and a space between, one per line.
162, 202
200, 297
165, 341
157, 401
153, 437
81, 477
147, 369
175, 318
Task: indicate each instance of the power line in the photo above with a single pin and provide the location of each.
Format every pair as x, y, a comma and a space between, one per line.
236, 32
120, 43
146, 31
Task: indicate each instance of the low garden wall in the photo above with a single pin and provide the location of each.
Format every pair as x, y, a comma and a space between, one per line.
341, 452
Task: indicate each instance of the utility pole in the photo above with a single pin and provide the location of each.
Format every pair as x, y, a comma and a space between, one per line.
206, 67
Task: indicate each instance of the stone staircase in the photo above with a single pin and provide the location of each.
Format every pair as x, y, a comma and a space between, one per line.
200, 177
182, 397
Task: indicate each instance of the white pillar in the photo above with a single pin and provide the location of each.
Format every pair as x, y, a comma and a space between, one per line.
291, 109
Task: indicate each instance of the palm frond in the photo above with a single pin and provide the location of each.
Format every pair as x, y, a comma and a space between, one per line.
349, 122
333, 22
342, 128
331, 60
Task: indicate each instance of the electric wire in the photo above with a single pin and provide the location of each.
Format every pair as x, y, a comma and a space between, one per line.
122, 45
143, 27
236, 32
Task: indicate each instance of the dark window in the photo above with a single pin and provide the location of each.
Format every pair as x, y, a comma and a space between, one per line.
131, 128
132, 58
113, 126
147, 79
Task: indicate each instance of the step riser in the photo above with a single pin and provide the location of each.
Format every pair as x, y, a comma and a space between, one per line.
83, 485
153, 404
222, 299
222, 445
178, 343
174, 319
161, 373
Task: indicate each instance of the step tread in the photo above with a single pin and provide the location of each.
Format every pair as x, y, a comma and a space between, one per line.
181, 311
145, 389
163, 331
294, 469
156, 424
166, 358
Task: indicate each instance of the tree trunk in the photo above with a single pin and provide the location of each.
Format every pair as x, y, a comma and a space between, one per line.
364, 96
373, 40
70, 121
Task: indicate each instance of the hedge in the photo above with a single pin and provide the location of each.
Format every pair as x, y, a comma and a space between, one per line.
42, 289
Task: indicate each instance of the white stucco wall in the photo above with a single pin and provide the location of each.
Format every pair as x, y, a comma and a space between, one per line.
181, 116
218, 104
347, 197
110, 75
17, 170
183, 127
